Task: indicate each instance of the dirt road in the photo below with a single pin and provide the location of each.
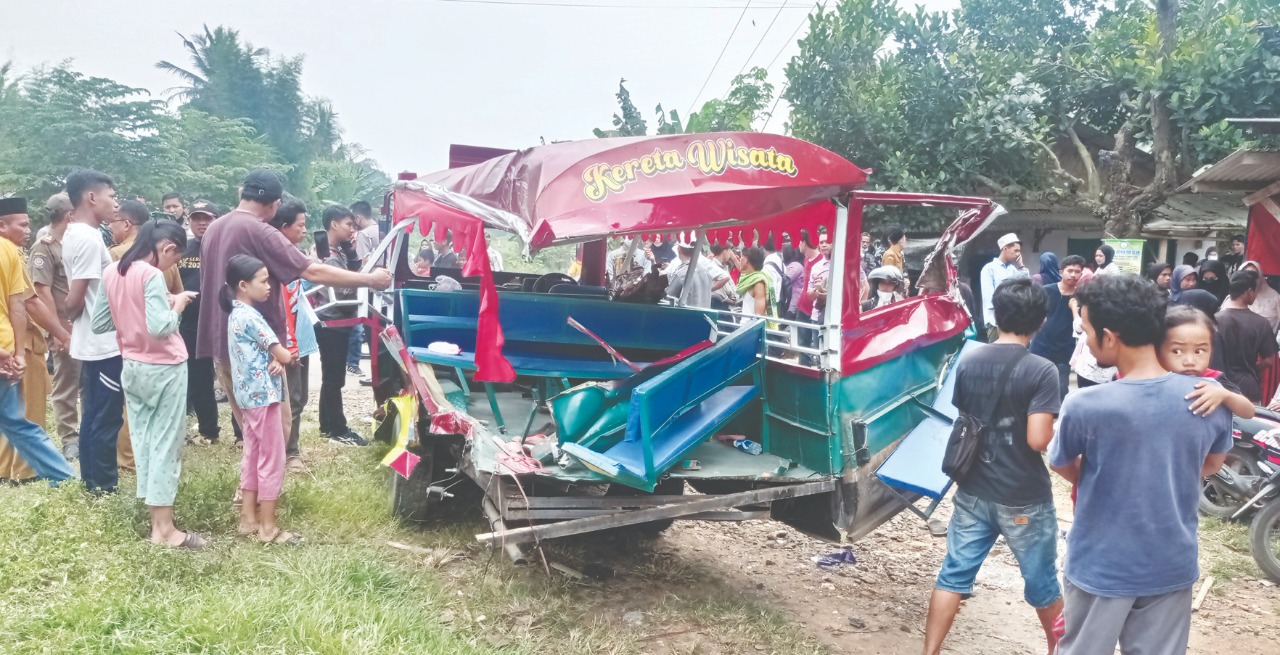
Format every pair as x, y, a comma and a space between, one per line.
878, 605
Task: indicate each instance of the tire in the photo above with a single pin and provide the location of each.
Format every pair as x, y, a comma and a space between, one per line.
667, 487
1218, 501
411, 500
1264, 539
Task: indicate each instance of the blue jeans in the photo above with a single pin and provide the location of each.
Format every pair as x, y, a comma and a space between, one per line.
29, 439
101, 417
353, 346
1030, 531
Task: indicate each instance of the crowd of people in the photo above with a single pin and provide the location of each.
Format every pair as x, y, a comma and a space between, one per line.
1162, 362
145, 316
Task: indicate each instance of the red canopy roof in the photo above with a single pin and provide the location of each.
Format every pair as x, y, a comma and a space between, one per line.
580, 190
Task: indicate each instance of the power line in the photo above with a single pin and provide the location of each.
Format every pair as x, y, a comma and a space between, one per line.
790, 39
601, 5
788, 42
761, 41
718, 58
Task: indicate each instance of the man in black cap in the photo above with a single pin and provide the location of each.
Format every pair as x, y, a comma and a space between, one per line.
245, 231
29, 440
200, 395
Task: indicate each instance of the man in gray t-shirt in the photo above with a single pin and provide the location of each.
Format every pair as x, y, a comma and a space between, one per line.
1137, 455
1006, 493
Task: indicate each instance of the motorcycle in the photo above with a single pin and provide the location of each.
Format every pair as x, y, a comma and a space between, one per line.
1264, 532
1225, 494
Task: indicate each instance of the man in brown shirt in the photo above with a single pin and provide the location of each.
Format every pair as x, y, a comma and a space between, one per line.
245, 231
50, 280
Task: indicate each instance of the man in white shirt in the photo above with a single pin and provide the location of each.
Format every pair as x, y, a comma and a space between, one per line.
773, 265
1007, 265
85, 256
707, 278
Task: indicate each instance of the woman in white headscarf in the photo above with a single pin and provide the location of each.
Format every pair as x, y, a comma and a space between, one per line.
1268, 303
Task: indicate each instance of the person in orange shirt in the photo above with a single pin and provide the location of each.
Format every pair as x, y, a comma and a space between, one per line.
895, 255
29, 452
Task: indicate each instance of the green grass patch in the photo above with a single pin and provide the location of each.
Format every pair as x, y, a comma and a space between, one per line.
77, 575
1224, 550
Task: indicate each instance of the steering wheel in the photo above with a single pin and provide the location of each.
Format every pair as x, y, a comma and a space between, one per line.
545, 282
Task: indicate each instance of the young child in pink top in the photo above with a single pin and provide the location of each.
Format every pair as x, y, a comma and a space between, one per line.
136, 304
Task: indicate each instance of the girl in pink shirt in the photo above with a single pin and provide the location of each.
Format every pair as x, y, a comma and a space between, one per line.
136, 304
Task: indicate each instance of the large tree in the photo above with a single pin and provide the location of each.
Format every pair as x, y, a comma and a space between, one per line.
981, 99
57, 120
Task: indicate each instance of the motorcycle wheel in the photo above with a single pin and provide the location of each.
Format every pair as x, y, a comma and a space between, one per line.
1216, 499
1264, 539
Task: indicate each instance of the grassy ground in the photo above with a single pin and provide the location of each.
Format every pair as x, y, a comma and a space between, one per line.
1225, 546
77, 576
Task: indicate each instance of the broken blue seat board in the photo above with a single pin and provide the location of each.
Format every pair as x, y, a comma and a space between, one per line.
916, 464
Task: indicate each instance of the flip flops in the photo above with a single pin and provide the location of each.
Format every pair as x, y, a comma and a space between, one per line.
280, 538
192, 541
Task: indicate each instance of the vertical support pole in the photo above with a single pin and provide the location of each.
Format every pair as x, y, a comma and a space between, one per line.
693, 266
832, 315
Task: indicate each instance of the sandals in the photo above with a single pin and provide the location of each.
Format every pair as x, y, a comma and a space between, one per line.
192, 541
280, 538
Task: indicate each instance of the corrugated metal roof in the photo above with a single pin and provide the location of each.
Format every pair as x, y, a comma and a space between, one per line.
1244, 169
1198, 214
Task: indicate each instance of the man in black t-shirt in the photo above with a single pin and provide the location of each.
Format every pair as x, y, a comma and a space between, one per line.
1055, 340
1007, 491
200, 395
1245, 342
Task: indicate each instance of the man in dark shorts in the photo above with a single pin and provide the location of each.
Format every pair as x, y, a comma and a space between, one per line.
1007, 492
1245, 342
1132, 550
244, 231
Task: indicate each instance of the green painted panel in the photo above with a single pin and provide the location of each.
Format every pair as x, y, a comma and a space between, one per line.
880, 396
799, 419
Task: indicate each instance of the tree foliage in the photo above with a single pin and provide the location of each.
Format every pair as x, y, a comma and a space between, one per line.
236, 109
981, 99
740, 109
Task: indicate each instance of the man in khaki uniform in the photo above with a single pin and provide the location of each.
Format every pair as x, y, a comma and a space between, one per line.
16, 229
50, 279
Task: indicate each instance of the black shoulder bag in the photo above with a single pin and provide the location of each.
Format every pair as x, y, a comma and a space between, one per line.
968, 431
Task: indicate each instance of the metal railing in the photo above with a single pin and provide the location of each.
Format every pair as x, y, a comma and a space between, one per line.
784, 339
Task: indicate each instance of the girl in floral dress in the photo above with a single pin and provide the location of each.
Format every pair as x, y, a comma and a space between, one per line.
257, 364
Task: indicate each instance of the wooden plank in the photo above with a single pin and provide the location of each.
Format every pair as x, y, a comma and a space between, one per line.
1262, 194
1204, 591
702, 504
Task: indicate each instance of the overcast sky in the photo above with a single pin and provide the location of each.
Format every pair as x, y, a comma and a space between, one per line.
410, 77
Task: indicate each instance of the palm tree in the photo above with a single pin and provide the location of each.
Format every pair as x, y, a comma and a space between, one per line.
214, 54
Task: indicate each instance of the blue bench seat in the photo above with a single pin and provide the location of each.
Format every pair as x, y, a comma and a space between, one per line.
626, 459
916, 465
678, 409
538, 338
